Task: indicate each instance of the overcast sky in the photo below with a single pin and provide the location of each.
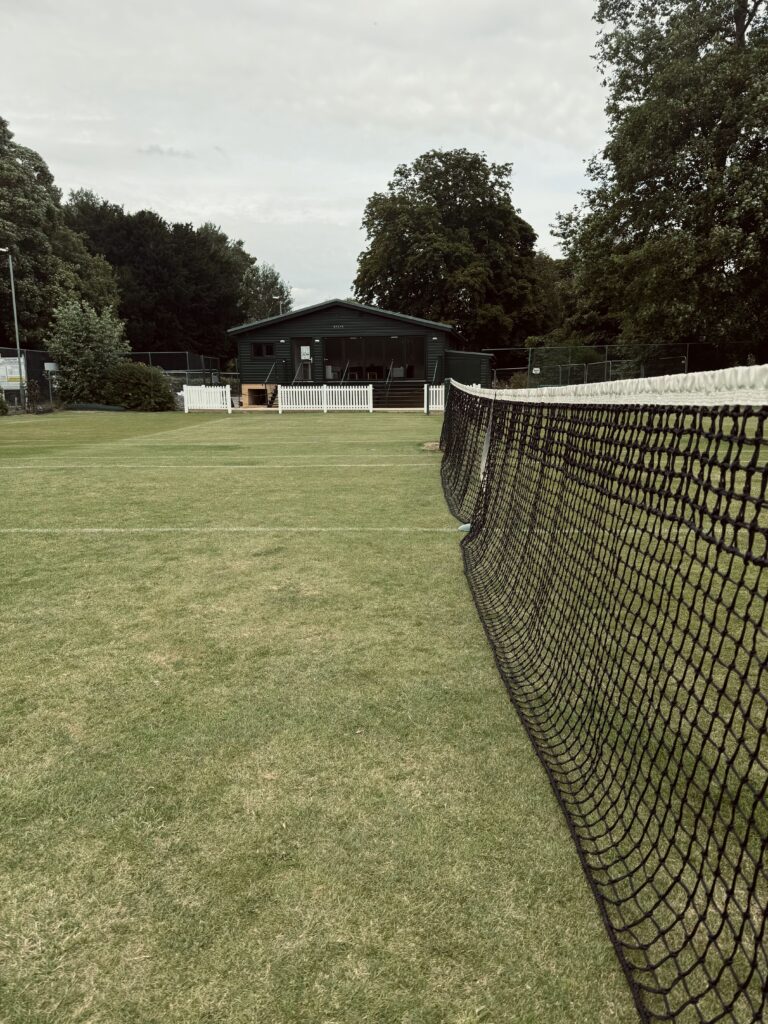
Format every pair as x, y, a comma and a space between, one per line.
277, 120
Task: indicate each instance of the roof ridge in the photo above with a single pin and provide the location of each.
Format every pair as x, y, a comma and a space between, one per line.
349, 303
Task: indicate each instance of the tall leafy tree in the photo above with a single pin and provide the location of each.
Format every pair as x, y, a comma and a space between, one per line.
180, 286
445, 242
51, 262
264, 292
670, 243
28, 210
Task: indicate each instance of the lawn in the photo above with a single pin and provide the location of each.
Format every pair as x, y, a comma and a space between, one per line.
257, 761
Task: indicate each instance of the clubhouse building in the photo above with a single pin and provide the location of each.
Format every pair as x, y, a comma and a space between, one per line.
341, 342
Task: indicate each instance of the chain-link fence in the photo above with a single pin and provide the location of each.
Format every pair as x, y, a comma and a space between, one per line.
559, 366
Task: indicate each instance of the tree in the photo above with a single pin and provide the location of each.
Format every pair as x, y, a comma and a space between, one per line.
87, 345
180, 286
28, 210
82, 274
555, 298
446, 243
264, 293
670, 243
51, 262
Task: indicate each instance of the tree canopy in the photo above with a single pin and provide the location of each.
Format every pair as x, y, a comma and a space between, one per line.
670, 243
51, 262
175, 285
180, 286
446, 243
264, 293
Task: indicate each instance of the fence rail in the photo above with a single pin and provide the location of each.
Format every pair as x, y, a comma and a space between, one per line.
202, 398
322, 398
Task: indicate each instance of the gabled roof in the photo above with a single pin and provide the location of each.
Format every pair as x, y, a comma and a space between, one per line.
345, 304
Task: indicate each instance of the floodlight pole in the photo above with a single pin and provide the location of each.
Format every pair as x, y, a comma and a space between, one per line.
22, 395
280, 300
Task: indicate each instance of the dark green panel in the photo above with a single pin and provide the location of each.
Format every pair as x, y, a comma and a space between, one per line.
468, 367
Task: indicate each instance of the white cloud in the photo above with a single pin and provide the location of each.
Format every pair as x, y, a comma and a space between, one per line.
296, 113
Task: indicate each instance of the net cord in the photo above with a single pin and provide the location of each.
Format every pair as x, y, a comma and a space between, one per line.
737, 385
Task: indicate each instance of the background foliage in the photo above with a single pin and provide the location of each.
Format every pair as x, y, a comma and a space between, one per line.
264, 293
446, 243
138, 386
177, 287
670, 242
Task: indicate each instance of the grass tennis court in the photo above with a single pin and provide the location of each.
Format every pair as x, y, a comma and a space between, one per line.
257, 762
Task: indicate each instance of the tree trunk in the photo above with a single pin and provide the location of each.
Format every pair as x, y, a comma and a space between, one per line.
740, 20
744, 13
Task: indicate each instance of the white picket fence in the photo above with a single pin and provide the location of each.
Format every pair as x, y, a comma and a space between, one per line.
207, 398
435, 393
325, 398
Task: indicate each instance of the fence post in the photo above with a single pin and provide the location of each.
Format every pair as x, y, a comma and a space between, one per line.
279, 401
325, 398
229, 399
186, 406
425, 397
370, 398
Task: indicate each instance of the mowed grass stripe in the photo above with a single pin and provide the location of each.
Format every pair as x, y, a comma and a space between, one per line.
270, 776
142, 467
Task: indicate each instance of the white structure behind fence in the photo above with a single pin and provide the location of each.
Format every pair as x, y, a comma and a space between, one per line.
210, 399
435, 394
325, 398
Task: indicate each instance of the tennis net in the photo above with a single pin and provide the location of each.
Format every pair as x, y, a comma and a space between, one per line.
618, 559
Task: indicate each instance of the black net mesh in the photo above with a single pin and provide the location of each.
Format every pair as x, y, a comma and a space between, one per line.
617, 558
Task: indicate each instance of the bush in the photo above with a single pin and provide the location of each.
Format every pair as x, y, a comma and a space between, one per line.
138, 386
3, 405
87, 345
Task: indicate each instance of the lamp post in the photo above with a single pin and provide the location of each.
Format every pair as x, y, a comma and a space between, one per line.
280, 300
7, 251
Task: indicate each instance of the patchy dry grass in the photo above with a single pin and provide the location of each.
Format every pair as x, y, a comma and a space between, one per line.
268, 775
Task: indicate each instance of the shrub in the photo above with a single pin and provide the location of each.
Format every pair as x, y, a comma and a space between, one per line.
3, 405
86, 345
138, 386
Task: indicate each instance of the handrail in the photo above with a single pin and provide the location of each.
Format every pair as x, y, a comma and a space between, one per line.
266, 379
389, 381
343, 376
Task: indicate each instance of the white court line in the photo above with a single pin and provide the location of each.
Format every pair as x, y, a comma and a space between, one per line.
224, 529
225, 465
